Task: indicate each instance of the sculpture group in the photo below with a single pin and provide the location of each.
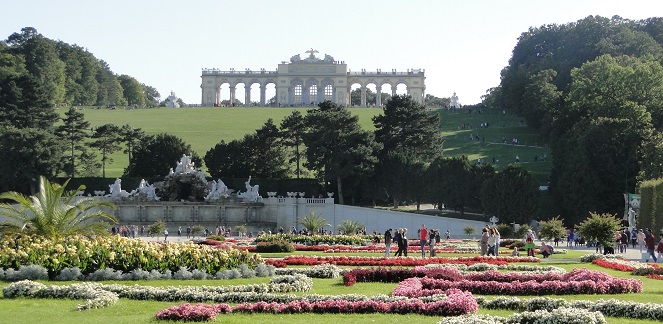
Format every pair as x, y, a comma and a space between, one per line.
184, 172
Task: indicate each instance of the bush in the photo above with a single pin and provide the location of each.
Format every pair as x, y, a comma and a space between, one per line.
275, 246
215, 237
68, 274
512, 243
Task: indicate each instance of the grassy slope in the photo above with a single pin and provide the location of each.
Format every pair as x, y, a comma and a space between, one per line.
204, 127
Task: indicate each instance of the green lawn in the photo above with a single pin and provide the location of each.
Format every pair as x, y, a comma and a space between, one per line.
204, 127
130, 311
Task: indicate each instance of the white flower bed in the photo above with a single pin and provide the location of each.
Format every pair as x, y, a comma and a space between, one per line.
561, 316
588, 258
610, 307
316, 271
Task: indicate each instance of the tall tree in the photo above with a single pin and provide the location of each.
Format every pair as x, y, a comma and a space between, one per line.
337, 147
406, 125
292, 133
448, 182
133, 91
395, 175
157, 154
131, 137
27, 154
106, 138
24, 103
74, 132
511, 195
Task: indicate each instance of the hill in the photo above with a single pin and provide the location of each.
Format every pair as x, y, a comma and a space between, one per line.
204, 127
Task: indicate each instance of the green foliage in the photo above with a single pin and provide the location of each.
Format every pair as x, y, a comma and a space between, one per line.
197, 230
506, 230
156, 228
651, 204
106, 138
54, 212
469, 230
24, 103
406, 125
132, 90
292, 136
337, 147
398, 174
599, 228
522, 230
313, 222
215, 237
240, 228
274, 246
350, 227
550, 229
27, 154
157, 154
448, 182
511, 195
73, 132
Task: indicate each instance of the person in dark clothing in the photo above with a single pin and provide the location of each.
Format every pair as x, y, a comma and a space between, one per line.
387, 242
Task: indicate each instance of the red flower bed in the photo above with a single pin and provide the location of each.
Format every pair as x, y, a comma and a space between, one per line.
457, 303
655, 276
389, 262
612, 265
496, 283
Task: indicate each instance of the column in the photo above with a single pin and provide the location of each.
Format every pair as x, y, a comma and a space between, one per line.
262, 95
393, 90
378, 98
363, 96
232, 95
217, 98
247, 95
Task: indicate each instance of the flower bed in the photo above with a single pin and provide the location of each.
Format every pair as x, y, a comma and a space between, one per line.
562, 315
99, 295
317, 239
635, 267
456, 303
496, 283
117, 253
399, 261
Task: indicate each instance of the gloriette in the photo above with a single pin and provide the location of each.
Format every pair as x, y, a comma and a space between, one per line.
310, 80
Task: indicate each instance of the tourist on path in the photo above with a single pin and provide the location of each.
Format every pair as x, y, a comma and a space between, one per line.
498, 238
387, 242
423, 239
650, 242
641, 239
483, 243
398, 238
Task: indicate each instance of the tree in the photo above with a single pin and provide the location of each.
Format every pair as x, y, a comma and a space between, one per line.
551, 229
132, 90
157, 154
106, 139
27, 154
511, 195
156, 228
131, 137
152, 96
73, 132
469, 230
313, 222
600, 228
292, 136
350, 227
261, 155
405, 124
54, 212
337, 147
396, 174
448, 182
196, 230
24, 103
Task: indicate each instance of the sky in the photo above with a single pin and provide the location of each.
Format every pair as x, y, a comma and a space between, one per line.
461, 45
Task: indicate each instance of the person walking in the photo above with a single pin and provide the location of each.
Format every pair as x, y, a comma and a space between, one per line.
498, 238
491, 243
423, 239
641, 239
398, 238
650, 242
659, 247
404, 243
387, 242
165, 235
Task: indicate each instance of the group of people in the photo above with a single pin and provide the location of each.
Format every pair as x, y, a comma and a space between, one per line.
490, 241
426, 238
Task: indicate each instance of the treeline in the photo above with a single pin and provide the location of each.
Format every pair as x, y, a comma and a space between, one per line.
66, 74
594, 88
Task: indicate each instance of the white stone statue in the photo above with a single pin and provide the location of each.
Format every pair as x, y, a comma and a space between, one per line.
454, 101
218, 190
251, 193
185, 165
116, 190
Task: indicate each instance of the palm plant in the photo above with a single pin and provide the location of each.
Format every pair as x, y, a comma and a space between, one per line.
350, 227
54, 212
312, 222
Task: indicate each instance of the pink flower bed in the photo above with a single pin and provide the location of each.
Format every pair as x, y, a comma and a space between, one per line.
457, 303
496, 283
388, 262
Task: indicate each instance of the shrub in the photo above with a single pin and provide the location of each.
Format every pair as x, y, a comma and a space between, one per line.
215, 237
31, 272
69, 274
275, 246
